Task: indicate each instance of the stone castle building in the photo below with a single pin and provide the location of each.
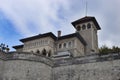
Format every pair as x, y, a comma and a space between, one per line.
83, 41
69, 57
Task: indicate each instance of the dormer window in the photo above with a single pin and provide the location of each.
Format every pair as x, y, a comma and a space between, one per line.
88, 26
83, 27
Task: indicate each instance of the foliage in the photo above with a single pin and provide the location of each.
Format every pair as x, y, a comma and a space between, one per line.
106, 50
4, 47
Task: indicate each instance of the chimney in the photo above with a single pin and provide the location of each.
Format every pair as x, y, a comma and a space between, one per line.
59, 33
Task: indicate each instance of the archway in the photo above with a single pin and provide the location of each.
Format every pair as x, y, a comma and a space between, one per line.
44, 52
37, 51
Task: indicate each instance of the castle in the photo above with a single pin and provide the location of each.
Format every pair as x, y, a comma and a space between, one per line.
68, 57
84, 41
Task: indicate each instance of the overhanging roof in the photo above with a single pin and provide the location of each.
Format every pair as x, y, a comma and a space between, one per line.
49, 34
86, 19
18, 46
77, 35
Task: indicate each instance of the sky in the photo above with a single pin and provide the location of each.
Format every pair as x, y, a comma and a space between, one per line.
25, 18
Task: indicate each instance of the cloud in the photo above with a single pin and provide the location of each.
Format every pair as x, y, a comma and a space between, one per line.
110, 20
32, 17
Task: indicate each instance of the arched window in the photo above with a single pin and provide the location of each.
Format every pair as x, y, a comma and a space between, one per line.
60, 46
64, 45
37, 51
49, 53
78, 28
69, 44
88, 26
83, 27
44, 52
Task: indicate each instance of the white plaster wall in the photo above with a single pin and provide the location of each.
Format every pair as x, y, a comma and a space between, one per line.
40, 49
76, 47
49, 45
66, 41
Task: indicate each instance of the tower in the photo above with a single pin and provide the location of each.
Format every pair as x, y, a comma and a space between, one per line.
87, 27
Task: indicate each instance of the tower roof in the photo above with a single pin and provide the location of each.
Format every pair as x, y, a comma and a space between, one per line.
86, 19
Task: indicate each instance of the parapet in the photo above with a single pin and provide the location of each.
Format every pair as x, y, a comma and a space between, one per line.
60, 61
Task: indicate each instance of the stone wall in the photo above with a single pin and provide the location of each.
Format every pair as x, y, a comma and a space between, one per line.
23, 66
108, 70
26, 70
92, 67
1, 69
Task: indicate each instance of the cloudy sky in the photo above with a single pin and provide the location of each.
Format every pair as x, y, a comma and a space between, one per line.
24, 18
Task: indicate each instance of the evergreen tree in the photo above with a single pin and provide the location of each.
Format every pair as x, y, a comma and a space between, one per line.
106, 50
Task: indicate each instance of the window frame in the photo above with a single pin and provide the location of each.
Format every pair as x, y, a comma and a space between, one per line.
83, 27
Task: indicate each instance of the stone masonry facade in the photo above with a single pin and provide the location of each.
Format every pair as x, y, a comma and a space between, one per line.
23, 66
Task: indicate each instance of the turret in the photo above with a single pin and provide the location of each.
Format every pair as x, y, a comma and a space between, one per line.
87, 27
